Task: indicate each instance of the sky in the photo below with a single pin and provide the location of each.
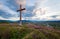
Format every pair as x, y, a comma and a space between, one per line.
39, 10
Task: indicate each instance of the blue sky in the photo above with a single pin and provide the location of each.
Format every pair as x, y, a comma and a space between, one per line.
40, 10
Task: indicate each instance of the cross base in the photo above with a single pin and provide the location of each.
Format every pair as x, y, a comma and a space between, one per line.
20, 24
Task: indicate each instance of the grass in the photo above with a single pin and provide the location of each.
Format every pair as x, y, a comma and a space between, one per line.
24, 32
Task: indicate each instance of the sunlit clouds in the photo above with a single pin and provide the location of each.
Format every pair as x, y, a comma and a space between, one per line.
22, 2
39, 10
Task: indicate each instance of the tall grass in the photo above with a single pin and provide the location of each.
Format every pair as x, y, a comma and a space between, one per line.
24, 32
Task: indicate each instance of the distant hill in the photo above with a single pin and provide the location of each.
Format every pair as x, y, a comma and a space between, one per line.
52, 23
3, 21
29, 21
8, 21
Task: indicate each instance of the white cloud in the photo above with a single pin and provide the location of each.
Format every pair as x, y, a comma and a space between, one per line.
41, 11
40, 3
1, 18
44, 12
8, 10
15, 18
22, 2
11, 18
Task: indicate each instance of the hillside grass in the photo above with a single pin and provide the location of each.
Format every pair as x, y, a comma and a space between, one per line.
24, 32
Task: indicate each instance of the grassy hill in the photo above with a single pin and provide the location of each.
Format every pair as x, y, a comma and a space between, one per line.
28, 31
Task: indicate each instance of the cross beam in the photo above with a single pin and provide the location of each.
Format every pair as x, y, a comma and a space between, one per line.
21, 9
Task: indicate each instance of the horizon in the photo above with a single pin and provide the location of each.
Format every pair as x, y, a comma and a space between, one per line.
30, 20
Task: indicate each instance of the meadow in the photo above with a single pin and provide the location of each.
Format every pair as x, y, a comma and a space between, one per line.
28, 31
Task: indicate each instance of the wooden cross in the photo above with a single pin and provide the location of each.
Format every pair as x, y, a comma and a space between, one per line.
21, 9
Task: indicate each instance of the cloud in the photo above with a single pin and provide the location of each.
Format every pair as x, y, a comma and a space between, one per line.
40, 3
40, 9
23, 2
13, 14
1, 18
11, 18
7, 10
35, 10
44, 12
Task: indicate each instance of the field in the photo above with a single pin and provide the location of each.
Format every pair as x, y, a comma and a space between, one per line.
28, 31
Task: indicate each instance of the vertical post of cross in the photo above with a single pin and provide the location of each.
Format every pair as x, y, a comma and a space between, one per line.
21, 9
20, 15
